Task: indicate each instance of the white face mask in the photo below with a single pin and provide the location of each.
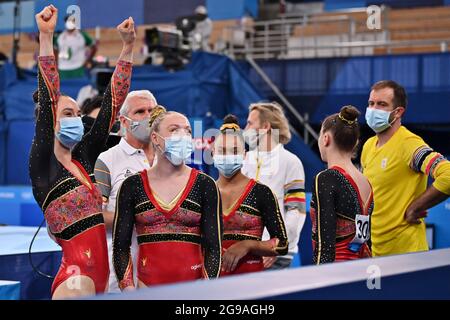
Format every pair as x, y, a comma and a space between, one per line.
140, 129
251, 138
70, 25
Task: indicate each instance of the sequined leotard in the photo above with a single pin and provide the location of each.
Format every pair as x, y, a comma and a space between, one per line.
335, 204
179, 242
245, 220
72, 208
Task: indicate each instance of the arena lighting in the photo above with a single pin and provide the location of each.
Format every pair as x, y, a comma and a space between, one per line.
170, 44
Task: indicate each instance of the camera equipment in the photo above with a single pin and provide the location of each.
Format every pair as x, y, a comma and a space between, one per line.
171, 45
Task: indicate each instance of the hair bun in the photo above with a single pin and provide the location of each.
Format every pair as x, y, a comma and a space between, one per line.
349, 114
230, 118
156, 112
230, 122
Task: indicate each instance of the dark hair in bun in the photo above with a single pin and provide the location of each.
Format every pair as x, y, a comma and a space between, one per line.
230, 124
344, 127
349, 113
230, 118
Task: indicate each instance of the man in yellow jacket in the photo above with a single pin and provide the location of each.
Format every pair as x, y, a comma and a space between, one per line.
397, 163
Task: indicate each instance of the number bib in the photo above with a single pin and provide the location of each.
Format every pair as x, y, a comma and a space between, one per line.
362, 224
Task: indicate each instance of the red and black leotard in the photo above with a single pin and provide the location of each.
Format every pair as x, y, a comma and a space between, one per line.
176, 244
334, 205
255, 209
73, 209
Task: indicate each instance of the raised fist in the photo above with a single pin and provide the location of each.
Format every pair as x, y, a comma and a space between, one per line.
46, 19
126, 31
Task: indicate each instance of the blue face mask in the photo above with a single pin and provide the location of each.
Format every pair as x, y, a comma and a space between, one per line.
228, 165
71, 131
378, 120
178, 149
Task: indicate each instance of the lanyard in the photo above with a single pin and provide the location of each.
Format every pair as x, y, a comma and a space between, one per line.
258, 167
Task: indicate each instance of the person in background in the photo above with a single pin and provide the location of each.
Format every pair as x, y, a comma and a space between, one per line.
268, 162
248, 206
397, 163
342, 199
75, 50
89, 112
202, 30
133, 154
87, 92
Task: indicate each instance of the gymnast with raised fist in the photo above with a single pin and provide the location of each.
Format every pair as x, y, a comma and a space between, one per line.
62, 163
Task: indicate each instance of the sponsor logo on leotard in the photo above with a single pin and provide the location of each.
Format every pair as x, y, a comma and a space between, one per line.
88, 253
196, 266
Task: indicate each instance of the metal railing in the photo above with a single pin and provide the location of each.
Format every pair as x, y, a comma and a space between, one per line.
279, 31
265, 33
308, 130
272, 51
270, 39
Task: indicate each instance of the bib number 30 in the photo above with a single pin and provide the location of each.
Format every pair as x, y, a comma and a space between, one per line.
362, 229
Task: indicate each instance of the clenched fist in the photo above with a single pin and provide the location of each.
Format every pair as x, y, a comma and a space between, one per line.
46, 19
126, 31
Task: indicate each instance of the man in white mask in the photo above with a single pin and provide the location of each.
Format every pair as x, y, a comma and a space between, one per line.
75, 49
133, 154
268, 162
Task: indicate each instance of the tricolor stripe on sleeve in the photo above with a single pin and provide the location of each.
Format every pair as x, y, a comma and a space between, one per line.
294, 195
425, 160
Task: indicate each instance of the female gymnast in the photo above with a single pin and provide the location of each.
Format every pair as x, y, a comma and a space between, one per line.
62, 163
342, 199
175, 209
248, 206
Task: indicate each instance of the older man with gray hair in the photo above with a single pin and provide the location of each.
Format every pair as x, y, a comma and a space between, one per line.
133, 154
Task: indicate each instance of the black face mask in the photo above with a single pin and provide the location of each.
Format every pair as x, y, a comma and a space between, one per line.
114, 137
116, 127
88, 122
200, 16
